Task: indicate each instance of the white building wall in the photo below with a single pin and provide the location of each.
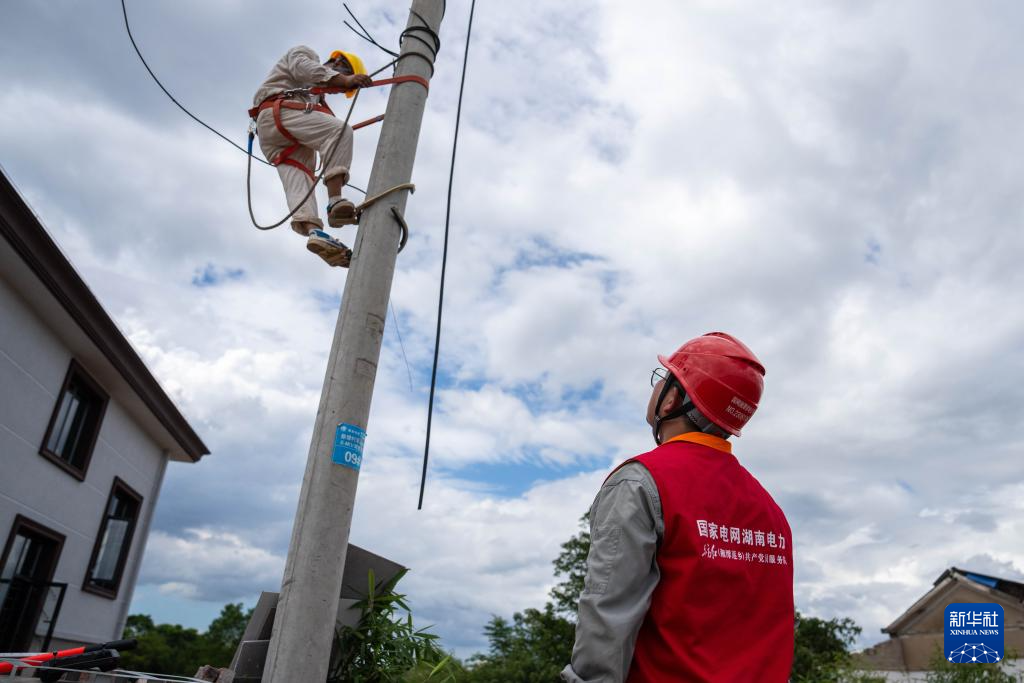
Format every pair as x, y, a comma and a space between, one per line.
33, 364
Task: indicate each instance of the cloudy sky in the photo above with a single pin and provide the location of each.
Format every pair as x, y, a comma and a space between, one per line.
836, 183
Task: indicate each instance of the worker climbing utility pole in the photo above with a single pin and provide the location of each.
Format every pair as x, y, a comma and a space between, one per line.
303, 632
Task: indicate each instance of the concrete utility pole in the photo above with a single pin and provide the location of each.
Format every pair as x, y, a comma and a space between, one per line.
303, 630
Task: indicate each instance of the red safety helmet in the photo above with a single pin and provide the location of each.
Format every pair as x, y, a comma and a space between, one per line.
722, 377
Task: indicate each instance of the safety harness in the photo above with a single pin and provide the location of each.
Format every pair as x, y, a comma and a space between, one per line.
283, 100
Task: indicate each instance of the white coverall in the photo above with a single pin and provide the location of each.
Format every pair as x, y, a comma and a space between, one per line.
316, 131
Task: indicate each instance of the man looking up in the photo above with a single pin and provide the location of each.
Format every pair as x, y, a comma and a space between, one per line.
690, 570
300, 126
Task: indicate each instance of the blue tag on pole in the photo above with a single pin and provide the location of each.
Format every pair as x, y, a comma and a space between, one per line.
974, 633
348, 446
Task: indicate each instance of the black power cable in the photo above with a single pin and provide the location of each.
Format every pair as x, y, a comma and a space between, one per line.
365, 35
434, 48
444, 255
156, 80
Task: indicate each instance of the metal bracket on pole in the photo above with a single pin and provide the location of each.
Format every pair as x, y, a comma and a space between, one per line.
405, 227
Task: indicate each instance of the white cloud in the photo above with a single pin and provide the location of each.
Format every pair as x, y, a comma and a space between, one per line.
205, 564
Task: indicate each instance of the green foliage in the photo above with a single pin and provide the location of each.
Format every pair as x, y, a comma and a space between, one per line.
227, 629
856, 676
176, 650
532, 649
944, 671
384, 647
224, 634
571, 564
163, 648
822, 653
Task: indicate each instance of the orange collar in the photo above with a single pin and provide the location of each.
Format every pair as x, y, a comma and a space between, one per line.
704, 440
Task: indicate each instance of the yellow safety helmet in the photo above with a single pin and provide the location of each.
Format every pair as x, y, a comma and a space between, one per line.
357, 65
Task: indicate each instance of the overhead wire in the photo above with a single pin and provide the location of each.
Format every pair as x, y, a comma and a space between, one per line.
365, 35
412, 31
401, 344
444, 254
128, 28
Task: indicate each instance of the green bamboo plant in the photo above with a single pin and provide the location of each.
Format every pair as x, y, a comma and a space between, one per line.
385, 647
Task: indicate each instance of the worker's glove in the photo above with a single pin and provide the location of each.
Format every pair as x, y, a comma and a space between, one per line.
357, 81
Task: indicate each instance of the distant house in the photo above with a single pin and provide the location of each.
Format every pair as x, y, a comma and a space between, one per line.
917, 634
85, 436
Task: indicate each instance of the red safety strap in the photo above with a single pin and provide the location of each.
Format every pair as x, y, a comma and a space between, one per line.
285, 155
367, 122
288, 104
384, 81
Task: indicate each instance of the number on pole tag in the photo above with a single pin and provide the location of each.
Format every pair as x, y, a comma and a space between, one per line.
348, 446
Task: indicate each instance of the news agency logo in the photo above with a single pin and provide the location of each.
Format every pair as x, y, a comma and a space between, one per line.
974, 633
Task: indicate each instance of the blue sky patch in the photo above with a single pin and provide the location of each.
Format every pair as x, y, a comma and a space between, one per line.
591, 392
874, 252
513, 479
212, 275
541, 252
327, 302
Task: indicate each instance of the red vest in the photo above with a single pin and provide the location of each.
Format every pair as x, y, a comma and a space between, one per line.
723, 608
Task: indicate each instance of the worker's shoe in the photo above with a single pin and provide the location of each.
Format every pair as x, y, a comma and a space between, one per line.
306, 226
334, 252
341, 212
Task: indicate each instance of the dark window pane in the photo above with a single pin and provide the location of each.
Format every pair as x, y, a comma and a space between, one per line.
14, 556
63, 426
26, 572
12, 564
74, 431
114, 541
105, 569
75, 421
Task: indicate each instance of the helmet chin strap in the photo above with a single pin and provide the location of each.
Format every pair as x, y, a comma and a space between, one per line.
686, 407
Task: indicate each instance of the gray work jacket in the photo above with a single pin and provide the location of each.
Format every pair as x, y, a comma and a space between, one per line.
626, 525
